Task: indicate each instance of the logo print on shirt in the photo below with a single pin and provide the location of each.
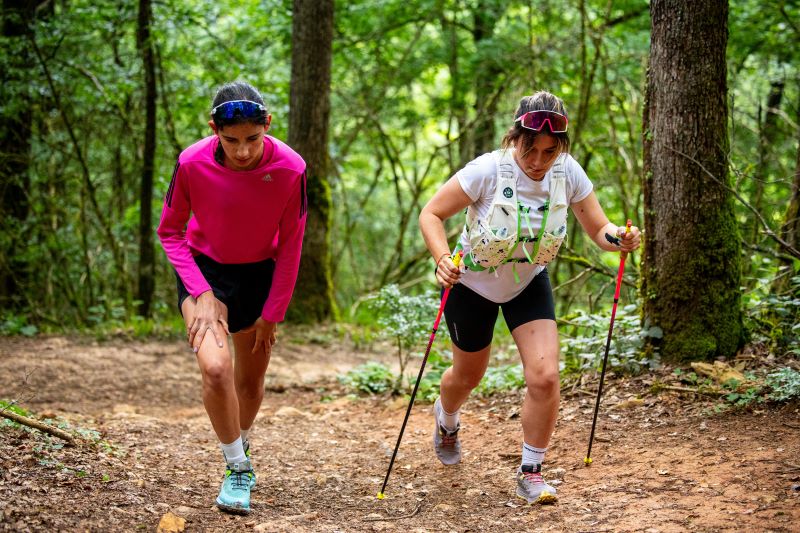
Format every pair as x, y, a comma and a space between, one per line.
267, 177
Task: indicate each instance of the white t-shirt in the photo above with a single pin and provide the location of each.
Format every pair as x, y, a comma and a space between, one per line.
477, 179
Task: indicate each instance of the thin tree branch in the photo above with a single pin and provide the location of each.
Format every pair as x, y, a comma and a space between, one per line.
771, 234
41, 426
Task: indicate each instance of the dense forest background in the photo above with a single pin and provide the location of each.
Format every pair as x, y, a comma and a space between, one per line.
99, 98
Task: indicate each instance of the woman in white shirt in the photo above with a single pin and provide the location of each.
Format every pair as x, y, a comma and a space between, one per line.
534, 157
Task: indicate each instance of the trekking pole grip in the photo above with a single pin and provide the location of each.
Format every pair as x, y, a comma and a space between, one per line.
623, 254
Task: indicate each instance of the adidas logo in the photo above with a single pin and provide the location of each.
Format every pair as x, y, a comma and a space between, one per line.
266, 177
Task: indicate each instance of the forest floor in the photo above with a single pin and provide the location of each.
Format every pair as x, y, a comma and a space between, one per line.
663, 461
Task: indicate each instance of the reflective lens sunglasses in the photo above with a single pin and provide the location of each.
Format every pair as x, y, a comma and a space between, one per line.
239, 108
535, 120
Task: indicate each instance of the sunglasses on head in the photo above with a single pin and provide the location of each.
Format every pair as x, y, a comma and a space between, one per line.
535, 120
238, 109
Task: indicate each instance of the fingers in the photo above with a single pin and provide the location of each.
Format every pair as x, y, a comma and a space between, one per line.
218, 331
200, 327
447, 273
630, 241
259, 343
199, 335
224, 326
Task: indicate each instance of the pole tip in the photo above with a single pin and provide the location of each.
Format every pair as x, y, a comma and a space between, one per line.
380, 496
587, 461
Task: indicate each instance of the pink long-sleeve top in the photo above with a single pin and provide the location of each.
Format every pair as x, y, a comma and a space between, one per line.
237, 217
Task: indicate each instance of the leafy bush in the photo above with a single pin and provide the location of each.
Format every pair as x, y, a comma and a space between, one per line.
583, 342
785, 385
405, 320
774, 318
435, 367
369, 378
501, 378
13, 324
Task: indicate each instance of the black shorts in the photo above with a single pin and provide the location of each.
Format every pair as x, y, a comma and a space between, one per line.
243, 288
471, 317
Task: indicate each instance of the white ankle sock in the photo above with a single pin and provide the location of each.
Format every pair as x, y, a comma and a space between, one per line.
532, 455
233, 452
448, 420
245, 434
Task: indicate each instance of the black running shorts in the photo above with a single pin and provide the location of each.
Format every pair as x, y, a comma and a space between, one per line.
242, 288
471, 317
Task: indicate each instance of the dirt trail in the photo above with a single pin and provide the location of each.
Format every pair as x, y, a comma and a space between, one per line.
660, 465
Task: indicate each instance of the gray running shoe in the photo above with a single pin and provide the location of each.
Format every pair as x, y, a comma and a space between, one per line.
532, 487
445, 443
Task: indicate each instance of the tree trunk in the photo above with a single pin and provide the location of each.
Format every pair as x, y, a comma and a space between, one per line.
790, 230
309, 112
692, 267
15, 147
487, 78
146, 272
766, 140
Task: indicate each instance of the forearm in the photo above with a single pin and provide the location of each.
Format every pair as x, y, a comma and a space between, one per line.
600, 237
432, 228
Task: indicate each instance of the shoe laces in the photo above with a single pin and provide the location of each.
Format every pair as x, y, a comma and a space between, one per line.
533, 477
449, 438
240, 479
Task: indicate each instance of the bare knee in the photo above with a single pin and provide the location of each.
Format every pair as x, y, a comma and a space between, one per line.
542, 383
217, 374
465, 380
250, 389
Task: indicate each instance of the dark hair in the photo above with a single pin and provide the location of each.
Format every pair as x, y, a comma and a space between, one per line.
522, 138
238, 90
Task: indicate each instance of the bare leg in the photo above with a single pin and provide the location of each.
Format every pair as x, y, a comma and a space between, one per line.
219, 394
465, 374
537, 342
249, 376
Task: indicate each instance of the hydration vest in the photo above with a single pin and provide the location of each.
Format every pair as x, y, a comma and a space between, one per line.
494, 238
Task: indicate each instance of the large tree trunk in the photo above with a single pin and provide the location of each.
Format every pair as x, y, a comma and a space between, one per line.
766, 141
309, 112
790, 230
147, 258
487, 79
15, 146
692, 267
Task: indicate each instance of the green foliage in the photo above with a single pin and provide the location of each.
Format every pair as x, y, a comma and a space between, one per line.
501, 378
404, 319
784, 385
429, 385
583, 342
427, 84
369, 378
11, 406
742, 398
13, 324
774, 318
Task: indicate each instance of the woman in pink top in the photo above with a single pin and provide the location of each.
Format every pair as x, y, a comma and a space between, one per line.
232, 226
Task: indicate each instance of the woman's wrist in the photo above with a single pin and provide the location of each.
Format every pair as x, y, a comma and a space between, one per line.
446, 254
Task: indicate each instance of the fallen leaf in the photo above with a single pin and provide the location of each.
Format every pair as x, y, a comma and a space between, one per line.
171, 523
627, 404
720, 372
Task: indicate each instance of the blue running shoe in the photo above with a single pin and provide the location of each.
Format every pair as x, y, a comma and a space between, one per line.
234, 496
246, 445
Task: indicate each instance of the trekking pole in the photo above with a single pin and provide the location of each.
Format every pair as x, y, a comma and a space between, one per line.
445, 294
622, 256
